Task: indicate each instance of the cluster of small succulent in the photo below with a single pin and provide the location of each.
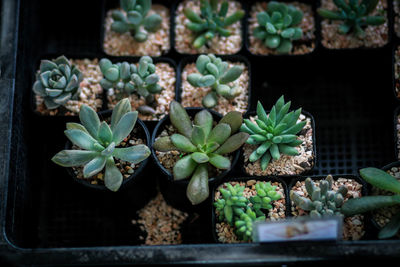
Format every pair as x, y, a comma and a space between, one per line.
239, 211
134, 19
98, 143
273, 134
127, 78
215, 73
322, 200
354, 14
201, 144
57, 81
212, 21
382, 180
278, 26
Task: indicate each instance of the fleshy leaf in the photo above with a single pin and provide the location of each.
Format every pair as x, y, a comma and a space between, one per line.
180, 119
184, 168
71, 158
380, 179
124, 127
81, 139
134, 154
113, 177
89, 120
94, 166
220, 133
182, 143
233, 143
220, 162
197, 190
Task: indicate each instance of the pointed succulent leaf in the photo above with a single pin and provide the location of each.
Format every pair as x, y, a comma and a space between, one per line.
234, 119
184, 168
94, 166
124, 127
266, 158
105, 133
112, 177
89, 120
73, 125
180, 119
134, 154
288, 150
204, 120
122, 107
81, 139
380, 179
182, 143
220, 133
197, 190
200, 157
72, 158
355, 206
220, 162
233, 143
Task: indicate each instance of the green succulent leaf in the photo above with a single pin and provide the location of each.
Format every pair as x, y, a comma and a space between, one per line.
81, 139
94, 166
198, 136
200, 157
184, 168
182, 143
233, 143
72, 158
124, 127
134, 154
204, 120
112, 177
122, 107
390, 229
89, 120
380, 179
220, 162
180, 119
197, 190
220, 133
367, 203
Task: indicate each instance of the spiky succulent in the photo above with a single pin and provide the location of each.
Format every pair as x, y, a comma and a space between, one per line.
322, 200
57, 81
273, 134
382, 180
129, 78
201, 145
354, 14
98, 143
215, 73
278, 26
135, 19
212, 21
241, 212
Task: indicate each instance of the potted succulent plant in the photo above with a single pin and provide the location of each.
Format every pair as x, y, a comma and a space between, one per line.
149, 85
354, 23
61, 86
208, 26
281, 28
280, 143
240, 202
196, 148
326, 196
384, 200
137, 28
214, 83
100, 154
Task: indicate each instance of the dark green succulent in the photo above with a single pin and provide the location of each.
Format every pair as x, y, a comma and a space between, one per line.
214, 73
354, 14
273, 134
98, 143
135, 20
278, 26
384, 181
127, 78
322, 200
57, 81
212, 21
201, 144
241, 212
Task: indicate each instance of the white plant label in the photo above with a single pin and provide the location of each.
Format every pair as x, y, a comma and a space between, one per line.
300, 229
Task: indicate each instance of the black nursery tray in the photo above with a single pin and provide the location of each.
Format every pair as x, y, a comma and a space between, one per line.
47, 218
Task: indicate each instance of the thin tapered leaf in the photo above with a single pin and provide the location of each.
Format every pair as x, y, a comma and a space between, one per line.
380, 179
124, 127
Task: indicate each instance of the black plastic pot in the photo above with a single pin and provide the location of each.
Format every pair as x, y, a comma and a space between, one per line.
286, 177
369, 231
231, 58
156, 60
33, 70
109, 4
137, 189
245, 179
395, 131
316, 40
363, 48
374, 222
174, 192
173, 24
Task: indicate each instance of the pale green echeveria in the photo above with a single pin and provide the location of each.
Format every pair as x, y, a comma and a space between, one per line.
273, 134
135, 19
215, 73
278, 26
99, 141
57, 82
201, 145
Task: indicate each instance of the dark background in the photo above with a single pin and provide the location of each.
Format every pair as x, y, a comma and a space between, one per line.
349, 93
